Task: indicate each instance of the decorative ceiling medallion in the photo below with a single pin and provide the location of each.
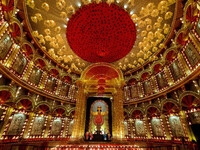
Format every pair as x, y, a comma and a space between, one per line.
101, 32
74, 44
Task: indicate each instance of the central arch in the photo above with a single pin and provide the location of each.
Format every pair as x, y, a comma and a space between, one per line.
109, 78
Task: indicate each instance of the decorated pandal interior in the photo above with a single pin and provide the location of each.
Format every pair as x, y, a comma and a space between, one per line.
99, 74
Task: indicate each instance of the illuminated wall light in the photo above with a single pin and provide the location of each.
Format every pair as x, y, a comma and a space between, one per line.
79, 4
131, 12
125, 6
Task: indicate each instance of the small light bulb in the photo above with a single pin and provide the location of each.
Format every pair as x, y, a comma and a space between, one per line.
79, 4
125, 6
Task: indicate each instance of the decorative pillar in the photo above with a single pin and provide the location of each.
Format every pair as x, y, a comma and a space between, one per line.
194, 40
65, 128
58, 87
28, 71
155, 87
147, 127
131, 127
118, 115
6, 119
186, 125
28, 124
166, 127
169, 77
184, 64
140, 89
80, 114
44, 79
196, 85
3, 27
12, 56
47, 126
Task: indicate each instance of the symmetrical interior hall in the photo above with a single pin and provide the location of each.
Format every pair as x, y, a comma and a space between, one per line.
99, 74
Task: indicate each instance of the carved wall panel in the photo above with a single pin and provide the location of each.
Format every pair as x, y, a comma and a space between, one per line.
157, 127
51, 83
5, 45
139, 128
176, 127
64, 89
192, 54
20, 64
126, 128
161, 80
176, 70
35, 76
147, 87
134, 91
195, 117
38, 126
16, 124
56, 127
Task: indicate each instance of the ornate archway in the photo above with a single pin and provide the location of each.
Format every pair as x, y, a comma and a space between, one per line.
111, 80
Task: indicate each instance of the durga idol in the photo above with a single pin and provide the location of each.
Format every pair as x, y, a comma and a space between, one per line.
98, 119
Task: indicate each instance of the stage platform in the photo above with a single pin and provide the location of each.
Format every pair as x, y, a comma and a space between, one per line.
93, 145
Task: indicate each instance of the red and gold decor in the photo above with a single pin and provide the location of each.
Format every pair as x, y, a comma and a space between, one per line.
99, 74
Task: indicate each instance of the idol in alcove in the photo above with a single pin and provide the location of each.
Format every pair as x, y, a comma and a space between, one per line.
98, 119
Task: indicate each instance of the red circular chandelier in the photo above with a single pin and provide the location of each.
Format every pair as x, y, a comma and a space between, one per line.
101, 32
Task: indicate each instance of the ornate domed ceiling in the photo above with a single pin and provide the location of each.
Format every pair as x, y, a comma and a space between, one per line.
126, 33
143, 58
101, 32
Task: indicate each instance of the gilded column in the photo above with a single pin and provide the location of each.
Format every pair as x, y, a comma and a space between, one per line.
12, 56
166, 127
131, 127
155, 88
65, 128
83, 114
184, 64
194, 40
30, 66
28, 124
58, 87
8, 113
140, 89
79, 121
196, 85
3, 27
147, 127
118, 115
169, 77
47, 126
44, 78
186, 125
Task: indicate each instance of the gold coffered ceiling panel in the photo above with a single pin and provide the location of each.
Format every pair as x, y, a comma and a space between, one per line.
48, 22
